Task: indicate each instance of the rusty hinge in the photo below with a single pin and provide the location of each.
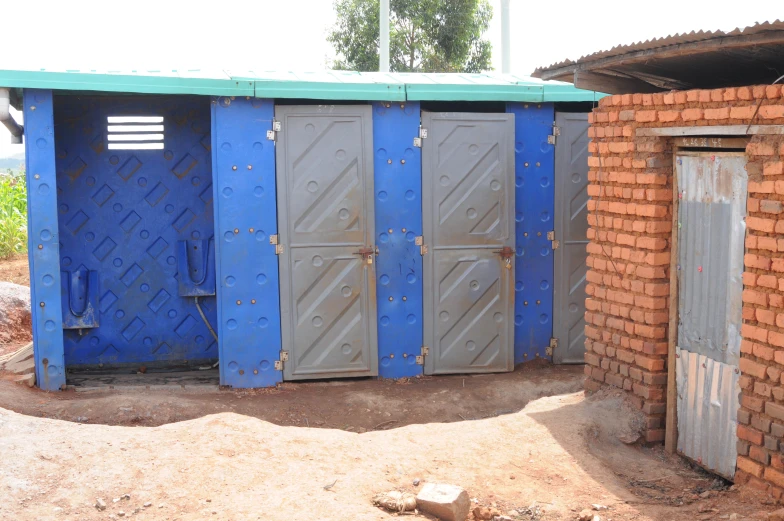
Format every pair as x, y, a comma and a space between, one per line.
551, 139
284, 357
422, 135
272, 135
419, 240
551, 237
274, 240
553, 344
420, 360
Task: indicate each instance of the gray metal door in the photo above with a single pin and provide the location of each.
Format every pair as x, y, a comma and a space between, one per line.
324, 168
711, 233
571, 232
468, 208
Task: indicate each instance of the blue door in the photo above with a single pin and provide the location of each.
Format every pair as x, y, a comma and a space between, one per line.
134, 195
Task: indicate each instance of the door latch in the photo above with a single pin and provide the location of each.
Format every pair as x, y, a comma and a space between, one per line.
506, 254
367, 254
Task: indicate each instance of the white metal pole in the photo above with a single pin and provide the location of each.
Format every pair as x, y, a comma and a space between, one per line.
383, 65
506, 58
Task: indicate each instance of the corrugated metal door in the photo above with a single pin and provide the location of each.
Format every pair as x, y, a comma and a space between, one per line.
468, 205
711, 234
324, 168
571, 232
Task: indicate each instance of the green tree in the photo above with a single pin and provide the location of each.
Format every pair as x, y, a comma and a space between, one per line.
424, 35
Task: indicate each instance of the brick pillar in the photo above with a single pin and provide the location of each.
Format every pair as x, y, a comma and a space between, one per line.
630, 225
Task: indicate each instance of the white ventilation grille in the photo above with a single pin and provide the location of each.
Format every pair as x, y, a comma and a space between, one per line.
135, 132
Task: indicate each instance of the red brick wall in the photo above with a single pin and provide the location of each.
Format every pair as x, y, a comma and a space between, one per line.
630, 230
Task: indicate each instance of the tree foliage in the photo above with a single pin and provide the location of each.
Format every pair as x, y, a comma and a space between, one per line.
424, 35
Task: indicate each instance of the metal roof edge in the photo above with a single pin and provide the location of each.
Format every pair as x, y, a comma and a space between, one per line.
571, 93
325, 85
465, 92
329, 90
133, 83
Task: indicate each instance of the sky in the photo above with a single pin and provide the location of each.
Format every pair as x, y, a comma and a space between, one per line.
290, 35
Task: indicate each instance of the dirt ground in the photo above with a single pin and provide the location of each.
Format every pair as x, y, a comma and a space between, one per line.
15, 270
528, 443
557, 456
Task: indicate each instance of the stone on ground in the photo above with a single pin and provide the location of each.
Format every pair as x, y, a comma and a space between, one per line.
15, 321
446, 502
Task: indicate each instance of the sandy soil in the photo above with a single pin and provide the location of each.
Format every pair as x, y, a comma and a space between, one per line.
560, 452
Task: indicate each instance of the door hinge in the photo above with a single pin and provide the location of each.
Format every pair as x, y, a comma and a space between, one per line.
551, 237
420, 360
551, 139
274, 240
272, 135
553, 344
420, 241
284, 357
422, 135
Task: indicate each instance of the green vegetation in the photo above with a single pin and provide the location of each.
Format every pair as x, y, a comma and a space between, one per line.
424, 35
13, 214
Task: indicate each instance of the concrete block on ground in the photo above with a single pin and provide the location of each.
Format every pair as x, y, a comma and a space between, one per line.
446, 502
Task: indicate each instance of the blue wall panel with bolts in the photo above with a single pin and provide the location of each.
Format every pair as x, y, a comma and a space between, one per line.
245, 217
398, 200
43, 239
534, 209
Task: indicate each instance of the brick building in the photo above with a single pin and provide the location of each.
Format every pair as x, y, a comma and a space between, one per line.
694, 130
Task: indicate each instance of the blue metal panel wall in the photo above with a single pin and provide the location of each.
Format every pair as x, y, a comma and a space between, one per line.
245, 217
534, 213
123, 215
398, 199
43, 239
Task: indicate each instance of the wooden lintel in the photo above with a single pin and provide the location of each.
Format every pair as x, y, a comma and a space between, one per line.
611, 84
716, 130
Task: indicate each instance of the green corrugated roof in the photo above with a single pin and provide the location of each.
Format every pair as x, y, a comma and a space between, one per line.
327, 85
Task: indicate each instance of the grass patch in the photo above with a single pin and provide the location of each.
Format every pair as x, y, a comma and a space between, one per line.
13, 215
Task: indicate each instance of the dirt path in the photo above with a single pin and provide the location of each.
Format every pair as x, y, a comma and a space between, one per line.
356, 405
232, 467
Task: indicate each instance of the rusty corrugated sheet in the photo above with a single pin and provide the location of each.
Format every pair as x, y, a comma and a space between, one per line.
708, 401
674, 39
712, 190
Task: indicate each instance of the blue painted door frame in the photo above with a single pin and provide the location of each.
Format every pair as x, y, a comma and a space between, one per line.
534, 213
43, 239
245, 218
398, 201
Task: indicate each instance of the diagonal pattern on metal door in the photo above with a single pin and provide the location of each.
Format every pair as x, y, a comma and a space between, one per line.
468, 271
571, 230
325, 191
